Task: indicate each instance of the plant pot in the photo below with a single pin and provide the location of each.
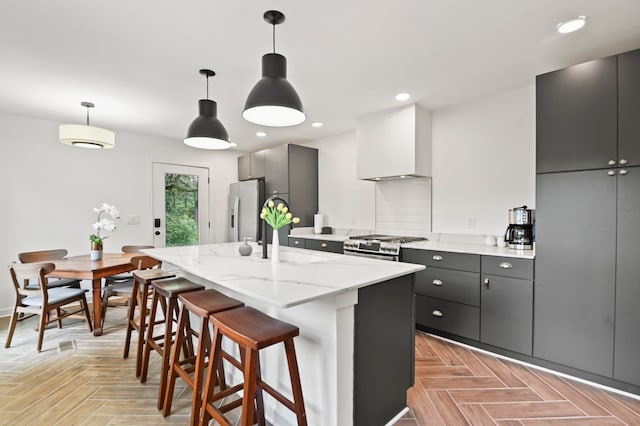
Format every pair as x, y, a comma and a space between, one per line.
96, 251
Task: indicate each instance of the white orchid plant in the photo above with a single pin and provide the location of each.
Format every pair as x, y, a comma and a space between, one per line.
278, 216
104, 223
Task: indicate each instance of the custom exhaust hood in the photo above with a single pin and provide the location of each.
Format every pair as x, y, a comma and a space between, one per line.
394, 144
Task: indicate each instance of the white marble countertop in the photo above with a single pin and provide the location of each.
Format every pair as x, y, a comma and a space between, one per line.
301, 276
460, 247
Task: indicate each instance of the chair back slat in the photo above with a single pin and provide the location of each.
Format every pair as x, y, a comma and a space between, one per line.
145, 262
41, 256
135, 249
31, 272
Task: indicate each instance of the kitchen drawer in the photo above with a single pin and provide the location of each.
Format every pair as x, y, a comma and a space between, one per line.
323, 245
443, 259
452, 317
508, 267
297, 242
449, 284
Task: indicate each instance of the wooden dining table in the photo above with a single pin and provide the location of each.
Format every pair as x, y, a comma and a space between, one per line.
83, 268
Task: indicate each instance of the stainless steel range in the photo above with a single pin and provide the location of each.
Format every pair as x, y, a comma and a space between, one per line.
385, 247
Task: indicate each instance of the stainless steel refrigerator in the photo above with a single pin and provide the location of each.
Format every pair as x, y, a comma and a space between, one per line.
245, 202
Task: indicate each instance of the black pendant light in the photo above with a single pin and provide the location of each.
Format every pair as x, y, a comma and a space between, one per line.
206, 131
273, 101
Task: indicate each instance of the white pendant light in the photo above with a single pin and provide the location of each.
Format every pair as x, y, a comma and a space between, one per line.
86, 136
273, 101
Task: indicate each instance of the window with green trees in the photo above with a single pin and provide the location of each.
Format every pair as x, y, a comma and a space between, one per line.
181, 206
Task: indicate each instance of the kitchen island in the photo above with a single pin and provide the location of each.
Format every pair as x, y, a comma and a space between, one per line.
356, 319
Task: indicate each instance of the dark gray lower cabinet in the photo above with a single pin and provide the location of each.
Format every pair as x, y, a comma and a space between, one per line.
626, 365
575, 269
507, 313
324, 245
451, 317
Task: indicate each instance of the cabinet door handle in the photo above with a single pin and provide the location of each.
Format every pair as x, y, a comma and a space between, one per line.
623, 172
506, 265
437, 257
296, 242
612, 162
324, 245
486, 283
437, 282
437, 313
611, 172
623, 162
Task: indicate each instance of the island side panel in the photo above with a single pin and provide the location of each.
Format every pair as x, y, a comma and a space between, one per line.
384, 350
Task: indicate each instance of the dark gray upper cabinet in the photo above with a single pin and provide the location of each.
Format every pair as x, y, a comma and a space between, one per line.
627, 336
276, 178
251, 166
576, 117
575, 269
629, 108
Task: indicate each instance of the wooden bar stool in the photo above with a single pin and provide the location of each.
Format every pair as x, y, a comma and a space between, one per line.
141, 287
165, 291
251, 330
202, 304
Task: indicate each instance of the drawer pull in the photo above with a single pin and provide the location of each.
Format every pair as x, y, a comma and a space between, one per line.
486, 283
324, 245
437, 282
506, 265
437, 257
296, 242
437, 313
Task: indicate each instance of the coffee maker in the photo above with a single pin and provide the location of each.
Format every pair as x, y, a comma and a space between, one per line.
519, 234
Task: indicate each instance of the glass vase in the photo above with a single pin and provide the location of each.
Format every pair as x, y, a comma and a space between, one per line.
275, 247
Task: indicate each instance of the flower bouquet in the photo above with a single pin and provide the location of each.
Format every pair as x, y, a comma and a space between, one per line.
103, 223
277, 217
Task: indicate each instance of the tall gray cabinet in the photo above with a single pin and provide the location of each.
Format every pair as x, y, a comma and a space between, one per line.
587, 272
291, 172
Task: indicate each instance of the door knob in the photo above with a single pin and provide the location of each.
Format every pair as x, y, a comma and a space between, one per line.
157, 232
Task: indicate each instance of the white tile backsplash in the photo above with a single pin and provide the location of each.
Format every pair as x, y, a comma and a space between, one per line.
403, 207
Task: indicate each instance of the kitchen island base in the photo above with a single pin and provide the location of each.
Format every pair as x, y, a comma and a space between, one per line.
355, 353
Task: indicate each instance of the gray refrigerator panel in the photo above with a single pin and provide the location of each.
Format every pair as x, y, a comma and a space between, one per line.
244, 210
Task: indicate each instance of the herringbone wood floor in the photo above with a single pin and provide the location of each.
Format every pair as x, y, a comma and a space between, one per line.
458, 386
93, 385
89, 385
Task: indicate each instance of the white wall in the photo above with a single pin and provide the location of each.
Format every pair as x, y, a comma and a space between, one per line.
345, 201
48, 189
483, 162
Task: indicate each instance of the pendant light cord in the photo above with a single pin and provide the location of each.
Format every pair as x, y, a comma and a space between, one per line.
87, 116
207, 86
274, 37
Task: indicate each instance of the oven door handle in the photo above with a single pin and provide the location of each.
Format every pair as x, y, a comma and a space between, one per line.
371, 255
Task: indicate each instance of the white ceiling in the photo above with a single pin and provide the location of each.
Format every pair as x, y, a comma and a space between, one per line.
138, 61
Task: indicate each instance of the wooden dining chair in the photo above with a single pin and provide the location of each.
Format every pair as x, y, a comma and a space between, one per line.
42, 300
125, 288
126, 279
45, 256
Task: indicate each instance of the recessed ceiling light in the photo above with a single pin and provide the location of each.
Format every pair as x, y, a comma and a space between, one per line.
402, 96
317, 124
261, 134
571, 25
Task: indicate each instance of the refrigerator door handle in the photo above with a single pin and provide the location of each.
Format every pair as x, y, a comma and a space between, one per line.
236, 206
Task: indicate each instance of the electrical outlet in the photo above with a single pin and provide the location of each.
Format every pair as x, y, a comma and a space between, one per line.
471, 222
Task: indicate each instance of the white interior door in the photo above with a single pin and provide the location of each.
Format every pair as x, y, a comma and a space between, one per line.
180, 205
